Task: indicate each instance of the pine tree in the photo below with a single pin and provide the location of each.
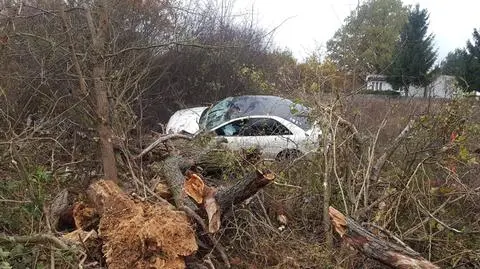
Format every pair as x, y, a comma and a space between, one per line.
464, 64
472, 78
414, 53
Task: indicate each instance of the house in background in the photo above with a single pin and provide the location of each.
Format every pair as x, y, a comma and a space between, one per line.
441, 87
378, 83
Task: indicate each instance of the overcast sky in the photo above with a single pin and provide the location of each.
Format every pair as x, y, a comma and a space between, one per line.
311, 23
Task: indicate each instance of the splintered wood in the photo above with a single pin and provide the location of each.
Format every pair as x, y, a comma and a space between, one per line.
217, 203
138, 234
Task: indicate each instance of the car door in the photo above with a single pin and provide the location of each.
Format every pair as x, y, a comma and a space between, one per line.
274, 136
266, 134
232, 132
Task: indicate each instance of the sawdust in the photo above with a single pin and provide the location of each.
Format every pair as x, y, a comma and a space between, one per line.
141, 235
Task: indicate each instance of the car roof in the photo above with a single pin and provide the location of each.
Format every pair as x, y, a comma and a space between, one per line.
268, 105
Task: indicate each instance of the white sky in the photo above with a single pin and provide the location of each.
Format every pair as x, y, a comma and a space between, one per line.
313, 22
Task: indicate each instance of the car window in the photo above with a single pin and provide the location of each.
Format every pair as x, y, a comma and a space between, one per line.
253, 127
265, 127
234, 128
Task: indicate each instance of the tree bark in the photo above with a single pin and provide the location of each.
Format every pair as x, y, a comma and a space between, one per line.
243, 189
171, 170
390, 254
100, 89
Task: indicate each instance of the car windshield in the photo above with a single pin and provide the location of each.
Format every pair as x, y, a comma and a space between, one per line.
217, 114
255, 105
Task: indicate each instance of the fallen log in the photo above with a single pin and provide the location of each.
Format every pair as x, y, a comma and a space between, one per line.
139, 234
243, 189
219, 202
388, 253
215, 203
225, 198
171, 170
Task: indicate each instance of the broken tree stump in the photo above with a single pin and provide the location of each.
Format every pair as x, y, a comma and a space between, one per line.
138, 234
390, 254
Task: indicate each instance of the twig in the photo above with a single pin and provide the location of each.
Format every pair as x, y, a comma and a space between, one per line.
209, 262
383, 158
14, 201
334, 157
437, 220
264, 210
286, 185
202, 46
50, 231
76, 64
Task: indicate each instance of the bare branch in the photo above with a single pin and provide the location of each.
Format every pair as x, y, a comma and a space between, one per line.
162, 139
384, 157
184, 44
35, 239
76, 64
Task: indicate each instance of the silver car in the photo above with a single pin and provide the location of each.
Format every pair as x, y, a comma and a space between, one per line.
278, 127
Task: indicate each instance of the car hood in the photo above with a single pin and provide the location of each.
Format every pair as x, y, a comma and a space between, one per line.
185, 120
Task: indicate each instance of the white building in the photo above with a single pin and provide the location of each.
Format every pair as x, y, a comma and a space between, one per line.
378, 83
442, 87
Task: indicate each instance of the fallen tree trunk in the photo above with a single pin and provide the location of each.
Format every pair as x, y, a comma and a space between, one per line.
215, 203
225, 198
390, 254
171, 169
243, 189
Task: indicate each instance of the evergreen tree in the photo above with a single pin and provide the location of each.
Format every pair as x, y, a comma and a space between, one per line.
415, 54
455, 64
472, 78
464, 64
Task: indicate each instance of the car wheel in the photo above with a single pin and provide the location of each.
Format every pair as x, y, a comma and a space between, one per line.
288, 155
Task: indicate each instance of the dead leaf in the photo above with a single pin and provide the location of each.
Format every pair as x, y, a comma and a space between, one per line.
194, 187
213, 210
